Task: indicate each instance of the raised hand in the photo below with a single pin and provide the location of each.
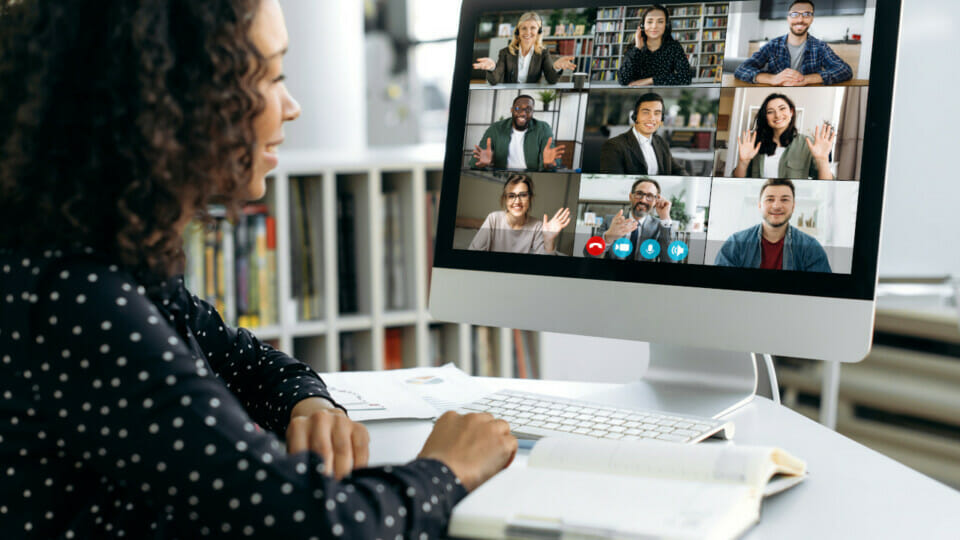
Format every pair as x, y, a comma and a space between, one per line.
663, 208
552, 228
486, 64
565, 62
619, 226
551, 155
748, 146
638, 38
822, 142
484, 156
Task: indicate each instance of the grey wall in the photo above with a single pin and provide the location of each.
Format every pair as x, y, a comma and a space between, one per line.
923, 187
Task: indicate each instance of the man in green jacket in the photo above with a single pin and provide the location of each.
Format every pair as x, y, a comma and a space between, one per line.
519, 142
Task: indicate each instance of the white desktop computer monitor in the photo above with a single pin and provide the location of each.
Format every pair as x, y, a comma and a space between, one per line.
722, 194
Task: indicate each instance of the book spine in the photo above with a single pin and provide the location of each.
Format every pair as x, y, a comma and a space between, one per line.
229, 273
269, 303
393, 348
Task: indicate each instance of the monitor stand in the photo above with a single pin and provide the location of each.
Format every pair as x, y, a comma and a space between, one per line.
687, 380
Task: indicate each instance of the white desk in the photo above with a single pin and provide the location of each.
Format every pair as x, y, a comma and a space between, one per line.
852, 491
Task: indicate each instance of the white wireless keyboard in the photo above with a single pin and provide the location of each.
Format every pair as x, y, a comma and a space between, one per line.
533, 416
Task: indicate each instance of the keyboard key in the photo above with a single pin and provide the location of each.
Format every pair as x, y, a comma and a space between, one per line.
613, 436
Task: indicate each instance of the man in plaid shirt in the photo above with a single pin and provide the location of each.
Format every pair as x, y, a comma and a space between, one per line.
797, 58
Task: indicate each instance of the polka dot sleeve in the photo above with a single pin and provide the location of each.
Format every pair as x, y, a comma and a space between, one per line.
121, 428
266, 381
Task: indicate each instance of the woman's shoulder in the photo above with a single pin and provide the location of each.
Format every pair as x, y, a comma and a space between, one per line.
505, 52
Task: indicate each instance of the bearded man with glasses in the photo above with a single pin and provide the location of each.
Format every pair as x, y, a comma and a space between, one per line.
648, 218
797, 58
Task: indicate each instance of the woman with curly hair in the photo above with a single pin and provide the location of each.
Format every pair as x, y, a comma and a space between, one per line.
129, 407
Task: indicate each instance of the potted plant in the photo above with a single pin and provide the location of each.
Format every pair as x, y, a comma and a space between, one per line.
678, 210
547, 97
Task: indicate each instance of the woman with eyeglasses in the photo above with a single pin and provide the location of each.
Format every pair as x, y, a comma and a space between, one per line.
656, 59
775, 148
513, 229
525, 59
130, 408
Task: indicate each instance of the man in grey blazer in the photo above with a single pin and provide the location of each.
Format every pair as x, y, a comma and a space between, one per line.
648, 218
639, 150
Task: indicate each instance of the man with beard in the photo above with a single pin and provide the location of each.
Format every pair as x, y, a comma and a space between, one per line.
639, 150
797, 58
519, 142
774, 244
640, 224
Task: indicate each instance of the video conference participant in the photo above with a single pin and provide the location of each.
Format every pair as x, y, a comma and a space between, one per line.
154, 418
797, 58
640, 224
774, 148
519, 142
512, 229
639, 150
774, 244
655, 58
525, 59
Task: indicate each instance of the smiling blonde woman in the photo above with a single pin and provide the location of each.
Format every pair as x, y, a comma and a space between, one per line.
525, 59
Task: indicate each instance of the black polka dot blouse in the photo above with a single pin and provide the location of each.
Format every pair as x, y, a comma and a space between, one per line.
667, 65
136, 413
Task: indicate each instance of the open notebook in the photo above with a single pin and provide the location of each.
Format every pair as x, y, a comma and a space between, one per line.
638, 489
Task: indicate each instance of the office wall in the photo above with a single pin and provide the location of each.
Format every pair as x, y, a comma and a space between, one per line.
325, 74
922, 190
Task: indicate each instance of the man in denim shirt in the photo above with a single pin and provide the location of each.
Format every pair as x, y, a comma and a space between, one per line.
774, 244
797, 58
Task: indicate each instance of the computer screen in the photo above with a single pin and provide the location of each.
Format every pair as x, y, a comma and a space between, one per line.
688, 152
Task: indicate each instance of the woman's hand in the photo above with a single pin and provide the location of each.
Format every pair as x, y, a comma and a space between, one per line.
317, 426
474, 446
822, 143
748, 146
564, 62
552, 227
486, 64
642, 82
638, 40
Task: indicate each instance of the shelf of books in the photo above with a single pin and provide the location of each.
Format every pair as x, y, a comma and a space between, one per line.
700, 27
333, 266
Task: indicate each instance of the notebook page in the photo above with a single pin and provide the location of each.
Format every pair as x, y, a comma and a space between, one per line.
580, 504
701, 463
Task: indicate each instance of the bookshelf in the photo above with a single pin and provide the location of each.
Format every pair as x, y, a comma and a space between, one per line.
389, 275
700, 27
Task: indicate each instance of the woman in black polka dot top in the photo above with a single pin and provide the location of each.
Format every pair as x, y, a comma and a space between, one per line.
655, 57
129, 408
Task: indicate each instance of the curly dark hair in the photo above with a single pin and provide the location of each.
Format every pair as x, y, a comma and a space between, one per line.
114, 114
